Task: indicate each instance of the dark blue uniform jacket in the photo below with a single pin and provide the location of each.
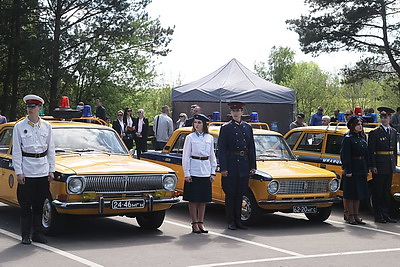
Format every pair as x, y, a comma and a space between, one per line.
354, 154
234, 138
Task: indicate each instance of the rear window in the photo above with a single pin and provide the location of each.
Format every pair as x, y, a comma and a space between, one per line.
333, 144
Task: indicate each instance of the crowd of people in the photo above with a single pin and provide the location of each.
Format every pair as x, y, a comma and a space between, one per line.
236, 154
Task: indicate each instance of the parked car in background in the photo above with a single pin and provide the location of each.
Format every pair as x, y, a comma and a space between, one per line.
320, 146
95, 175
281, 183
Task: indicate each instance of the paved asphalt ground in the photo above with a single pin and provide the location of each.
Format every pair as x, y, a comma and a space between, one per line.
279, 240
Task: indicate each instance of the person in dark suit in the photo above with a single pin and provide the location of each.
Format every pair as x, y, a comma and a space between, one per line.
129, 128
119, 125
354, 157
382, 145
100, 110
237, 159
141, 132
194, 110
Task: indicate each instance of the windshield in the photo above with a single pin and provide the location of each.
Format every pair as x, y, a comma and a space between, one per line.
68, 140
272, 147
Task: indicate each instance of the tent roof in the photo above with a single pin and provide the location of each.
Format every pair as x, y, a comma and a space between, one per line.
233, 82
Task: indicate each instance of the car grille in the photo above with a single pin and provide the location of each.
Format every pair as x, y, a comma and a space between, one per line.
303, 186
123, 183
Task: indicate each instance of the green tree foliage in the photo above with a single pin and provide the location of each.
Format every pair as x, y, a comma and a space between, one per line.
280, 65
84, 49
367, 26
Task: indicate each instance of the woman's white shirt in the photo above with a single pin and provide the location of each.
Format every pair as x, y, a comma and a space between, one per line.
199, 145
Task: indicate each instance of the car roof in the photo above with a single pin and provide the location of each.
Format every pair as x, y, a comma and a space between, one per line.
57, 123
326, 129
216, 129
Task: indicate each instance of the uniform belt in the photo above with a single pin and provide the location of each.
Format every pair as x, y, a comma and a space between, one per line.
34, 155
240, 153
359, 157
384, 152
200, 158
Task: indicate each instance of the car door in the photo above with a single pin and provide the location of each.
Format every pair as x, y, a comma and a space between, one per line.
8, 180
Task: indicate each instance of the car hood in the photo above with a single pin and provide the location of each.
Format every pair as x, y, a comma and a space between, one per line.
292, 169
105, 164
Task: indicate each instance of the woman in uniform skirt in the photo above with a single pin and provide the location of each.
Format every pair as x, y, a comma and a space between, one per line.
199, 164
354, 157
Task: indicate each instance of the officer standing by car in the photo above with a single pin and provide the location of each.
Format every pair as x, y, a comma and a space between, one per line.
237, 159
34, 164
382, 146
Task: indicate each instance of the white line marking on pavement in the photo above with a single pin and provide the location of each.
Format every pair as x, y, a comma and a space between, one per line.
299, 257
55, 250
240, 240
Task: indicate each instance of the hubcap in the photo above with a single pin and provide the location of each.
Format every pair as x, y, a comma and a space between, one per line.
46, 218
246, 208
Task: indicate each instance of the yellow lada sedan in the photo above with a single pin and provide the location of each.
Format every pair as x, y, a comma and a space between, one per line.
280, 184
95, 175
320, 146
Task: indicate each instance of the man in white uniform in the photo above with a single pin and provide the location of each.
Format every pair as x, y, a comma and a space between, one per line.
34, 164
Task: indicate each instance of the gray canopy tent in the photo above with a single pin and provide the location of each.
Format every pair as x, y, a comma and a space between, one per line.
274, 103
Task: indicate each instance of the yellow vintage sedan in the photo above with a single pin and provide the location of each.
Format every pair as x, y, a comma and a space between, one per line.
95, 175
320, 146
281, 183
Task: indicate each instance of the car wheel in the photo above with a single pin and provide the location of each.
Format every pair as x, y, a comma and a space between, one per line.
52, 221
321, 215
151, 220
251, 212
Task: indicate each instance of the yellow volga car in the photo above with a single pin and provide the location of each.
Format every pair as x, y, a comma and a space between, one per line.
320, 146
95, 175
280, 184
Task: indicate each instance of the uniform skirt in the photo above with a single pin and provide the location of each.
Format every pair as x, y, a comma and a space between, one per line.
199, 190
355, 187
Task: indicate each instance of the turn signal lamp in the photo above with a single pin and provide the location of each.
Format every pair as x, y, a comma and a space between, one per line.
216, 116
64, 102
254, 117
87, 111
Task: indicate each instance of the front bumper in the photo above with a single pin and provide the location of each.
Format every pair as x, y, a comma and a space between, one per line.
102, 203
396, 196
299, 201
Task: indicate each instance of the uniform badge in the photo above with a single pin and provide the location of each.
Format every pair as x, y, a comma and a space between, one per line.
25, 131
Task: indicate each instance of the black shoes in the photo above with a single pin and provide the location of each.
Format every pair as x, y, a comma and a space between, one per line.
26, 240
380, 220
389, 220
195, 230
239, 225
38, 237
202, 230
232, 226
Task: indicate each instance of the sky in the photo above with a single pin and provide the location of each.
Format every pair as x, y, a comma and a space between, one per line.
209, 33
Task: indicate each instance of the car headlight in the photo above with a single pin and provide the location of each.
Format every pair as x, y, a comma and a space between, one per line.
169, 182
334, 185
76, 184
273, 187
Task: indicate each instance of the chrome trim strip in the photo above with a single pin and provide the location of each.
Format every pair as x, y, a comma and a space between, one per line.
299, 201
396, 196
106, 203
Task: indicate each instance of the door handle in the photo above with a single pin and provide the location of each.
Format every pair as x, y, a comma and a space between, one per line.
323, 166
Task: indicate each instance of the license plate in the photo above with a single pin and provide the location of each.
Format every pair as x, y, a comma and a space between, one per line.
127, 204
304, 209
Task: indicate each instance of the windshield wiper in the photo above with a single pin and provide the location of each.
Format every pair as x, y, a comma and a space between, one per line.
60, 150
92, 150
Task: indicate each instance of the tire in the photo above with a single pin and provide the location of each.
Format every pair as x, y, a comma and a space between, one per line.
251, 212
321, 215
151, 220
52, 221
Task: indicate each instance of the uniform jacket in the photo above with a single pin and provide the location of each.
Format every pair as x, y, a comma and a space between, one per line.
232, 139
380, 140
354, 154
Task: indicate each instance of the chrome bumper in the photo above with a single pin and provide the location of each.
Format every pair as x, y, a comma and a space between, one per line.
396, 196
150, 201
299, 201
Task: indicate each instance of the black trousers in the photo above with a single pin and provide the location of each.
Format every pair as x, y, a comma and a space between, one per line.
234, 188
128, 142
141, 145
381, 195
31, 196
